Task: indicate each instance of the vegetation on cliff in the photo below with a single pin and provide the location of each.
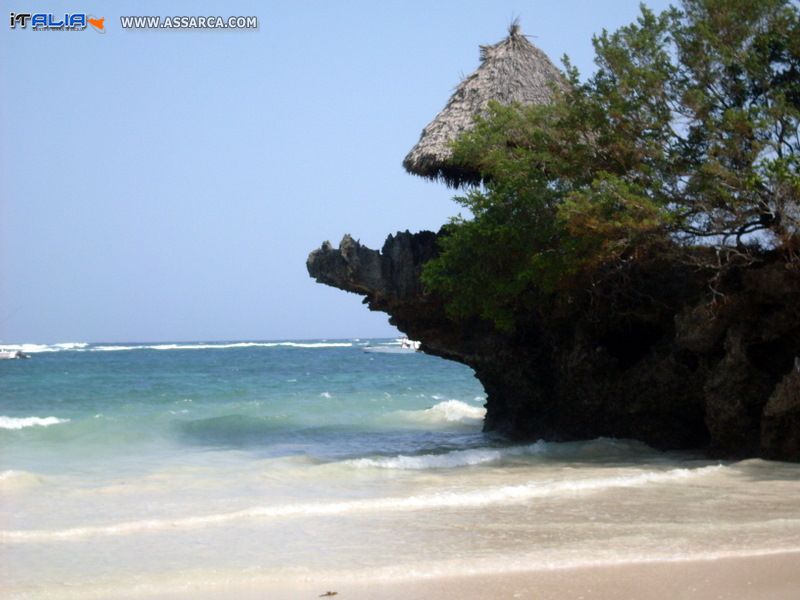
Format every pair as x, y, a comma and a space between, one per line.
686, 136
630, 268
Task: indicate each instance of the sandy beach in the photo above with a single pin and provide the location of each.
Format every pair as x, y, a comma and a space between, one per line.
774, 577
372, 482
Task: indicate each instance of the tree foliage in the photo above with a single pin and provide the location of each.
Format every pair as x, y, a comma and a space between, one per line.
686, 134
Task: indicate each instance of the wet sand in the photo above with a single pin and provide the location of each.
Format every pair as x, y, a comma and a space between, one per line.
773, 577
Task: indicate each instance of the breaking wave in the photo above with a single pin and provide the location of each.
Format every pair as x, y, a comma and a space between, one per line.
23, 422
221, 346
476, 498
35, 348
447, 411
447, 460
86, 347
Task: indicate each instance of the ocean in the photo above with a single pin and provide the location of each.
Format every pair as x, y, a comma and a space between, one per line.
139, 470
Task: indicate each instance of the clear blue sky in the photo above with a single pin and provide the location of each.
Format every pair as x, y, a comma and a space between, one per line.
169, 185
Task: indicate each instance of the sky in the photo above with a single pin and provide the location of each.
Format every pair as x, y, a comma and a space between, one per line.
169, 185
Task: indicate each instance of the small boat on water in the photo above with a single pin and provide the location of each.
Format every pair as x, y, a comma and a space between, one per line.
402, 346
407, 344
12, 354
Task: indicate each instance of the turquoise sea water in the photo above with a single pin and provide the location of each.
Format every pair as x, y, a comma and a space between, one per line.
139, 469
319, 399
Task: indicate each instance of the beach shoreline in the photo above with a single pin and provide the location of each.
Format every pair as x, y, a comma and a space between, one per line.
372, 481
774, 576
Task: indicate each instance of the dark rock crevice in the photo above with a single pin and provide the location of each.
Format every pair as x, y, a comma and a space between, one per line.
674, 372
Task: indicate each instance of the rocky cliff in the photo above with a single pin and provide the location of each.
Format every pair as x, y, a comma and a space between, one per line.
660, 364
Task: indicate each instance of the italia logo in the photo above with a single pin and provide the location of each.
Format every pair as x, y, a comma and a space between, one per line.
53, 22
98, 24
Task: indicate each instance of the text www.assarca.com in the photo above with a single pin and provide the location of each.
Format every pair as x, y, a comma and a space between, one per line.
184, 22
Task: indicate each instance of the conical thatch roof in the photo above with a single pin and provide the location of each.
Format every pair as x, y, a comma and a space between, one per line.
513, 70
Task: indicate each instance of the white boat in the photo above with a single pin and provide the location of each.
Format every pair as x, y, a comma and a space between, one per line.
402, 346
407, 344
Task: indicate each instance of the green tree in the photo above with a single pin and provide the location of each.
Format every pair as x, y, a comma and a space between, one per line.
687, 134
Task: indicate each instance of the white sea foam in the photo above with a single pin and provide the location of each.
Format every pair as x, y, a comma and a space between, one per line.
456, 458
113, 348
23, 422
12, 479
447, 411
231, 582
541, 561
84, 346
222, 346
36, 348
479, 497
71, 345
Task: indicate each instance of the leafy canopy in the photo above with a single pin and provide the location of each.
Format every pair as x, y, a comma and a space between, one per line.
686, 134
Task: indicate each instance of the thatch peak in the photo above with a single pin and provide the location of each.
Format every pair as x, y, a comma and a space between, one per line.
512, 70
514, 33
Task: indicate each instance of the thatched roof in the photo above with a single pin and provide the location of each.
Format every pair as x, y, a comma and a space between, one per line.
513, 70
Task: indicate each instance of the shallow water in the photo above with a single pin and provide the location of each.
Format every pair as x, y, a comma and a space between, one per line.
143, 468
